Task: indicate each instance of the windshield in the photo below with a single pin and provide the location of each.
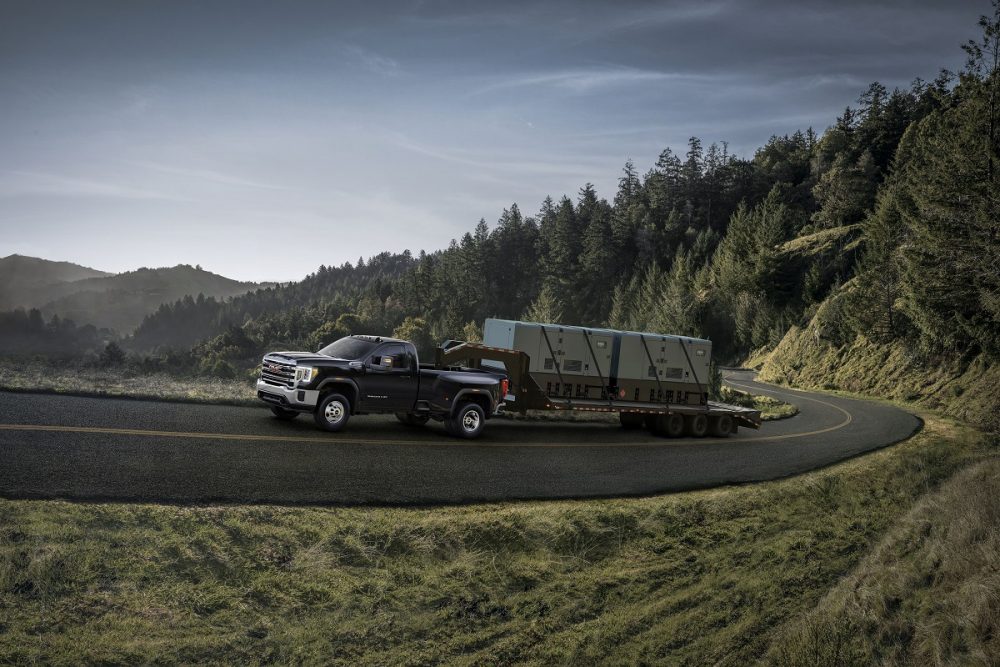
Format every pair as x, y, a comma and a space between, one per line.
349, 348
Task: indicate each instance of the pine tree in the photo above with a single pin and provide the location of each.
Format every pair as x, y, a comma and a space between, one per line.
545, 309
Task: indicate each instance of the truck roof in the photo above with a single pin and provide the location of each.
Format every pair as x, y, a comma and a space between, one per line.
379, 339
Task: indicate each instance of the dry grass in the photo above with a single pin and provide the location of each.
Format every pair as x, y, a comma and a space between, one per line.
18, 375
966, 391
928, 595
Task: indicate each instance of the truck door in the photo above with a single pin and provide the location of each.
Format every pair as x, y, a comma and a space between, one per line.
390, 383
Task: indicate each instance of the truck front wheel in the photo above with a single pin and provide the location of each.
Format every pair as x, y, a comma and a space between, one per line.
467, 422
332, 412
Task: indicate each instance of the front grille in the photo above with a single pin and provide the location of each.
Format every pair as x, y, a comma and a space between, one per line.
277, 373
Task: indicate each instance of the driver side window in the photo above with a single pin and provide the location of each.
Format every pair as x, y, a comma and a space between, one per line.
390, 357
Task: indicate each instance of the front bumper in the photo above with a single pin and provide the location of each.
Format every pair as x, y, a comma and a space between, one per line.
285, 397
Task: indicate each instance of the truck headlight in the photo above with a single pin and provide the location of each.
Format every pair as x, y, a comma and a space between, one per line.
304, 374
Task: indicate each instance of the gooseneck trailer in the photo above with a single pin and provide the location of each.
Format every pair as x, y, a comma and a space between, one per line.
654, 380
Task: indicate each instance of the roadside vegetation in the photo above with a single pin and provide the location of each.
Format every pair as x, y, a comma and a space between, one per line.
702, 577
965, 388
123, 382
928, 594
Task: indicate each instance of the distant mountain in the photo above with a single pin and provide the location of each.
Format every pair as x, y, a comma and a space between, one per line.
25, 280
116, 301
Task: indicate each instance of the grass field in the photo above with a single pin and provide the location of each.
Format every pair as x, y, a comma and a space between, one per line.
720, 576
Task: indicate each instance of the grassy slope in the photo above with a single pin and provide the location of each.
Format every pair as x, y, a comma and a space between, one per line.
700, 577
929, 594
966, 391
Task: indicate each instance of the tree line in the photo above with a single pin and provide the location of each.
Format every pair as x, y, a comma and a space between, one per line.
886, 223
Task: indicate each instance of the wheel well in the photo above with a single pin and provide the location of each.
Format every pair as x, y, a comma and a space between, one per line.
481, 400
340, 388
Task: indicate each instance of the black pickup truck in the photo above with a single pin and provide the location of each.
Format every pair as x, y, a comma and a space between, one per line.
370, 374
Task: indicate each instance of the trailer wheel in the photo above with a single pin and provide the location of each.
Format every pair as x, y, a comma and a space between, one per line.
332, 412
283, 414
468, 421
411, 419
720, 426
630, 420
696, 426
670, 426
673, 425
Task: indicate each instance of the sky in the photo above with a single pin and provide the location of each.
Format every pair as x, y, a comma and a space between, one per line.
263, 139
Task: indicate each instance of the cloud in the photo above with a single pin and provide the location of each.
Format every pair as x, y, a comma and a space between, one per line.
569, 166
31, 183
582, 81
373, 62
211, 176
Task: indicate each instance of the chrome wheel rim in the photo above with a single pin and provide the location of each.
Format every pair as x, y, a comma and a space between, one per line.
470, 421
334, 411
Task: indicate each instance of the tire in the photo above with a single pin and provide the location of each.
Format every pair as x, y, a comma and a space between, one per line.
720, 426
283, 414
669, 426
411, 419
467, 422
696, 426
673, 425
630, 420
332, 412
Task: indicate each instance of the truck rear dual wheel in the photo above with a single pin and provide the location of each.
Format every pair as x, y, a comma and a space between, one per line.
467, 422
332, 412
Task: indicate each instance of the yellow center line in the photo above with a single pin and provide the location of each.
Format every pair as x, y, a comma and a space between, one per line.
848, 417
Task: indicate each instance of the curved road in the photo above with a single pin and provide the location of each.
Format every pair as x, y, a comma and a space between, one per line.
108, 449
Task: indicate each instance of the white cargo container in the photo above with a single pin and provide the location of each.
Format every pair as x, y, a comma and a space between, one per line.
595, 363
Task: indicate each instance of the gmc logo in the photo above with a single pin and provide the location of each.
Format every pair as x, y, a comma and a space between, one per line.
274, 368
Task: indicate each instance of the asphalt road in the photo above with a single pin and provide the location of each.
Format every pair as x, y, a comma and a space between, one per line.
107, 449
